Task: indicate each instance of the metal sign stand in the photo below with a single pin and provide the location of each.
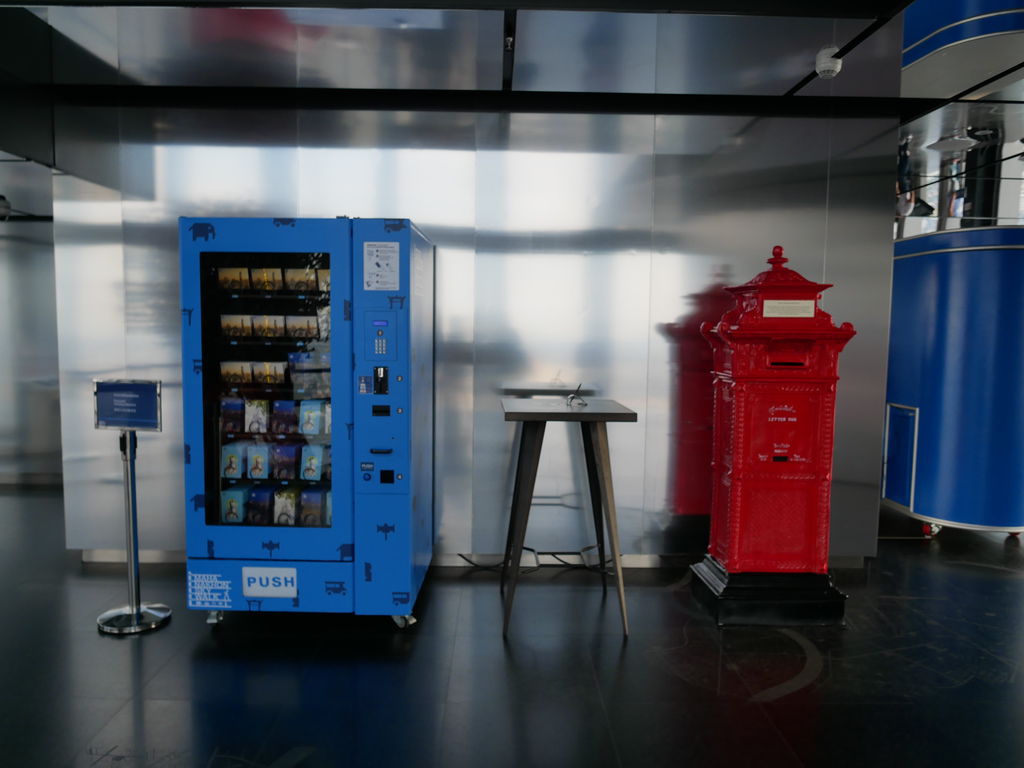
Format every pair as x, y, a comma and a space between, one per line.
136, 616
129, 405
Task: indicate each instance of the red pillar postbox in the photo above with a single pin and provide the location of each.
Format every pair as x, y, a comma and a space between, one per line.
776, 355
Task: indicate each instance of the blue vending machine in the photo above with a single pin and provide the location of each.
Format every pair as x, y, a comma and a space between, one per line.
308, 403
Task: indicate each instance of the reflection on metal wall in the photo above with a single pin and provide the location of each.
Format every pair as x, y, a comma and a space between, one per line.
463, 49
29, 424
566, 244
562, 282
859, 188
305, 47
89, 262
963, 167
675, 52
747, 54
572, 51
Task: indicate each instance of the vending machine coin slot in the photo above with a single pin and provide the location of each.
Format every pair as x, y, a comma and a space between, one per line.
380, 380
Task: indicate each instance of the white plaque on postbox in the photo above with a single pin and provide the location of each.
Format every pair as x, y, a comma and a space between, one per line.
788, 308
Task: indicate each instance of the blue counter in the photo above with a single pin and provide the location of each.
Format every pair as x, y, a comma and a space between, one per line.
954, 437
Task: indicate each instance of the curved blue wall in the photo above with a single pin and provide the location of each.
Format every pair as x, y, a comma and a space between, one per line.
956, 353
929, 25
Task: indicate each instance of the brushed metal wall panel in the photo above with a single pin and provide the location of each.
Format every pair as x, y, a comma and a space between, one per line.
585, 51
29, 419
562, 133
89, 266
562, 277
399, 48
306, 47
27, 187
751, 55
567, 245
858, 259
671, 53
85, 46
462, 49
388, 130
87, 143
207, 46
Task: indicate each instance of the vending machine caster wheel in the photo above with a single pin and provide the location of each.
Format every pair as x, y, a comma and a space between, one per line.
213, 618
404, 622
1014, 534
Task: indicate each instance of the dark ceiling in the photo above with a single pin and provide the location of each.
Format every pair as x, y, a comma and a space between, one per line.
155, 59
835, 9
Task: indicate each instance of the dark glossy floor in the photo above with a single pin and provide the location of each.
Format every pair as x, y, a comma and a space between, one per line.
925, 673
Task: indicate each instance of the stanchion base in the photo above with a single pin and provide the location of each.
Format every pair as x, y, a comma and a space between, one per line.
766, 599
122, 621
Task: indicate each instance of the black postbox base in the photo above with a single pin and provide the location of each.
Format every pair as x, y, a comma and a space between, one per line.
766, 599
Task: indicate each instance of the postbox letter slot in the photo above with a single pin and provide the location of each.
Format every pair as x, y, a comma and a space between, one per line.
780, 458
788, 355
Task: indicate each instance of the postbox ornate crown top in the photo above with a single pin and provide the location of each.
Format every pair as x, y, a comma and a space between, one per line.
779, 277
778, 300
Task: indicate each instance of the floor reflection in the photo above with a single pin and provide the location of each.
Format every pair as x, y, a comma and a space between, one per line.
925, 671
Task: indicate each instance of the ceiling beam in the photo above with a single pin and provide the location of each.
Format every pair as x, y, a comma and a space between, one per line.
425, 100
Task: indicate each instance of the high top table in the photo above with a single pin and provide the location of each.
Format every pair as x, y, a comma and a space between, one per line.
593, 418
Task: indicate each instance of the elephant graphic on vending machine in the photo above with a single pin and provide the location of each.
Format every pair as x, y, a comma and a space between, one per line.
203, 230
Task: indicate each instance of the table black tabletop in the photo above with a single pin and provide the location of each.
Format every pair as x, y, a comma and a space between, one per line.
596, 409
545, 389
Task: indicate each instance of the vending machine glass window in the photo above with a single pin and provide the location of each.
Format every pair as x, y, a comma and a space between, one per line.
267, 396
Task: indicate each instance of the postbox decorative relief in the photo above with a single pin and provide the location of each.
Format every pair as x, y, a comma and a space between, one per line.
776, 356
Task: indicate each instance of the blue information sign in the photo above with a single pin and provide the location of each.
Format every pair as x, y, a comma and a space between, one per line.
127, 404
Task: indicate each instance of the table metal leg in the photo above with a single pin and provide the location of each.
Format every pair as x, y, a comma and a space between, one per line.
595, 499
526, 474
599, 434
507, 560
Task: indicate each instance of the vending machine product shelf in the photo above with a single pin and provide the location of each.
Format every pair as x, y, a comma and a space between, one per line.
308, 407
